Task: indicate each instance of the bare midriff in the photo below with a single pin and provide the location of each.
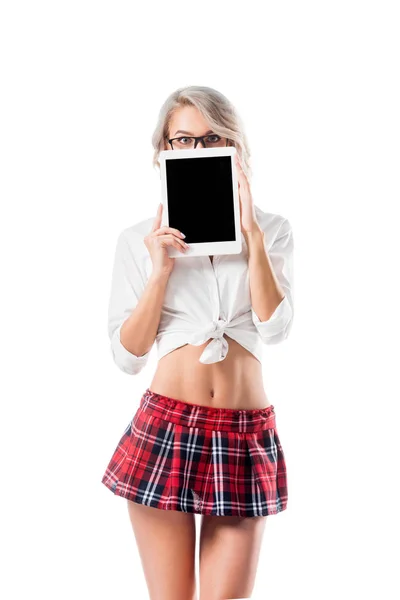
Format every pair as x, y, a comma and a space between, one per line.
235, 382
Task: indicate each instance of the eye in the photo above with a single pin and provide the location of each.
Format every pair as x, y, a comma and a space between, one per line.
213, 138
181, 140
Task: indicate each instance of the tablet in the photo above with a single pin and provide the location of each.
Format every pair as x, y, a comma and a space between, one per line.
200, 197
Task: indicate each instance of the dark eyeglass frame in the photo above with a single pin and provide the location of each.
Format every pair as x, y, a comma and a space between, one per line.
196, 139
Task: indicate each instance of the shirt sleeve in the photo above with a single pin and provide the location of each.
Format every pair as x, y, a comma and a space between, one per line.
127, 285
277, 327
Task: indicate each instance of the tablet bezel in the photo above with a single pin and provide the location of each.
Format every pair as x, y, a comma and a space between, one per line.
202, 248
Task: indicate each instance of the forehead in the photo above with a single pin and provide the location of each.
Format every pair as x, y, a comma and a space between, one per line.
190, 119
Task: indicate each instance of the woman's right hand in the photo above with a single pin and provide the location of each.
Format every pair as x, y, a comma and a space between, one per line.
157, 242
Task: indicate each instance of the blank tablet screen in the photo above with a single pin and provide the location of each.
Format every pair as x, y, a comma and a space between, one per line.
200, 198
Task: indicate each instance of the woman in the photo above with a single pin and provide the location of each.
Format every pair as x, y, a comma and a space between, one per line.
204, 438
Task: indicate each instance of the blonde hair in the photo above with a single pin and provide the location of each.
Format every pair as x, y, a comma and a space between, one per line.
218, 111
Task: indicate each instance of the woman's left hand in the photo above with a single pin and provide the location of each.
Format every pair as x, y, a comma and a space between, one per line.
248, 219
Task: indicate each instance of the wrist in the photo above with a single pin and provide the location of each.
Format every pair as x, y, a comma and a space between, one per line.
255, 236
159, 277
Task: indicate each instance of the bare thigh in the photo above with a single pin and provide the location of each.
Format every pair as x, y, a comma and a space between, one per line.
166, 541
229, 553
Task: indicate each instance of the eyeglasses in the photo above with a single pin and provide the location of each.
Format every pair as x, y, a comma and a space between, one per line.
209, 141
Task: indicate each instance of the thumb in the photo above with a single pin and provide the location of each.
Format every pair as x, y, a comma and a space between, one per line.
157, 220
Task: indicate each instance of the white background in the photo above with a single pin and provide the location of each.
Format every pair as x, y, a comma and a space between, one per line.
317, 86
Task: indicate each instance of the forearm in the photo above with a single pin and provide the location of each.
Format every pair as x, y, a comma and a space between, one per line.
139, 330
266, 293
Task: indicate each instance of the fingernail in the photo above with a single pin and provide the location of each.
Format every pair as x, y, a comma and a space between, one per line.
183, 235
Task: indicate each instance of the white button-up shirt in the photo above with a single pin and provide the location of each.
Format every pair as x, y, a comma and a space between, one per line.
203, 300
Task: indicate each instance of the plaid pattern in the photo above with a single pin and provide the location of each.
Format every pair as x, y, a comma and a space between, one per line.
175, 455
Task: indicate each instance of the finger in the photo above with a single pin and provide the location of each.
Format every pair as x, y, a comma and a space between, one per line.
171, 240
166, 229
176, 240
173, 243
238, 159
157, 220
242, 178
240, 171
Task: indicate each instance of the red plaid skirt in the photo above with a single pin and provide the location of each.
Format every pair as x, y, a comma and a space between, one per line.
176, 455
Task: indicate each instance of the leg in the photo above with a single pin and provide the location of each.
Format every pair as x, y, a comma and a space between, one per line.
166, 542
229, 552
